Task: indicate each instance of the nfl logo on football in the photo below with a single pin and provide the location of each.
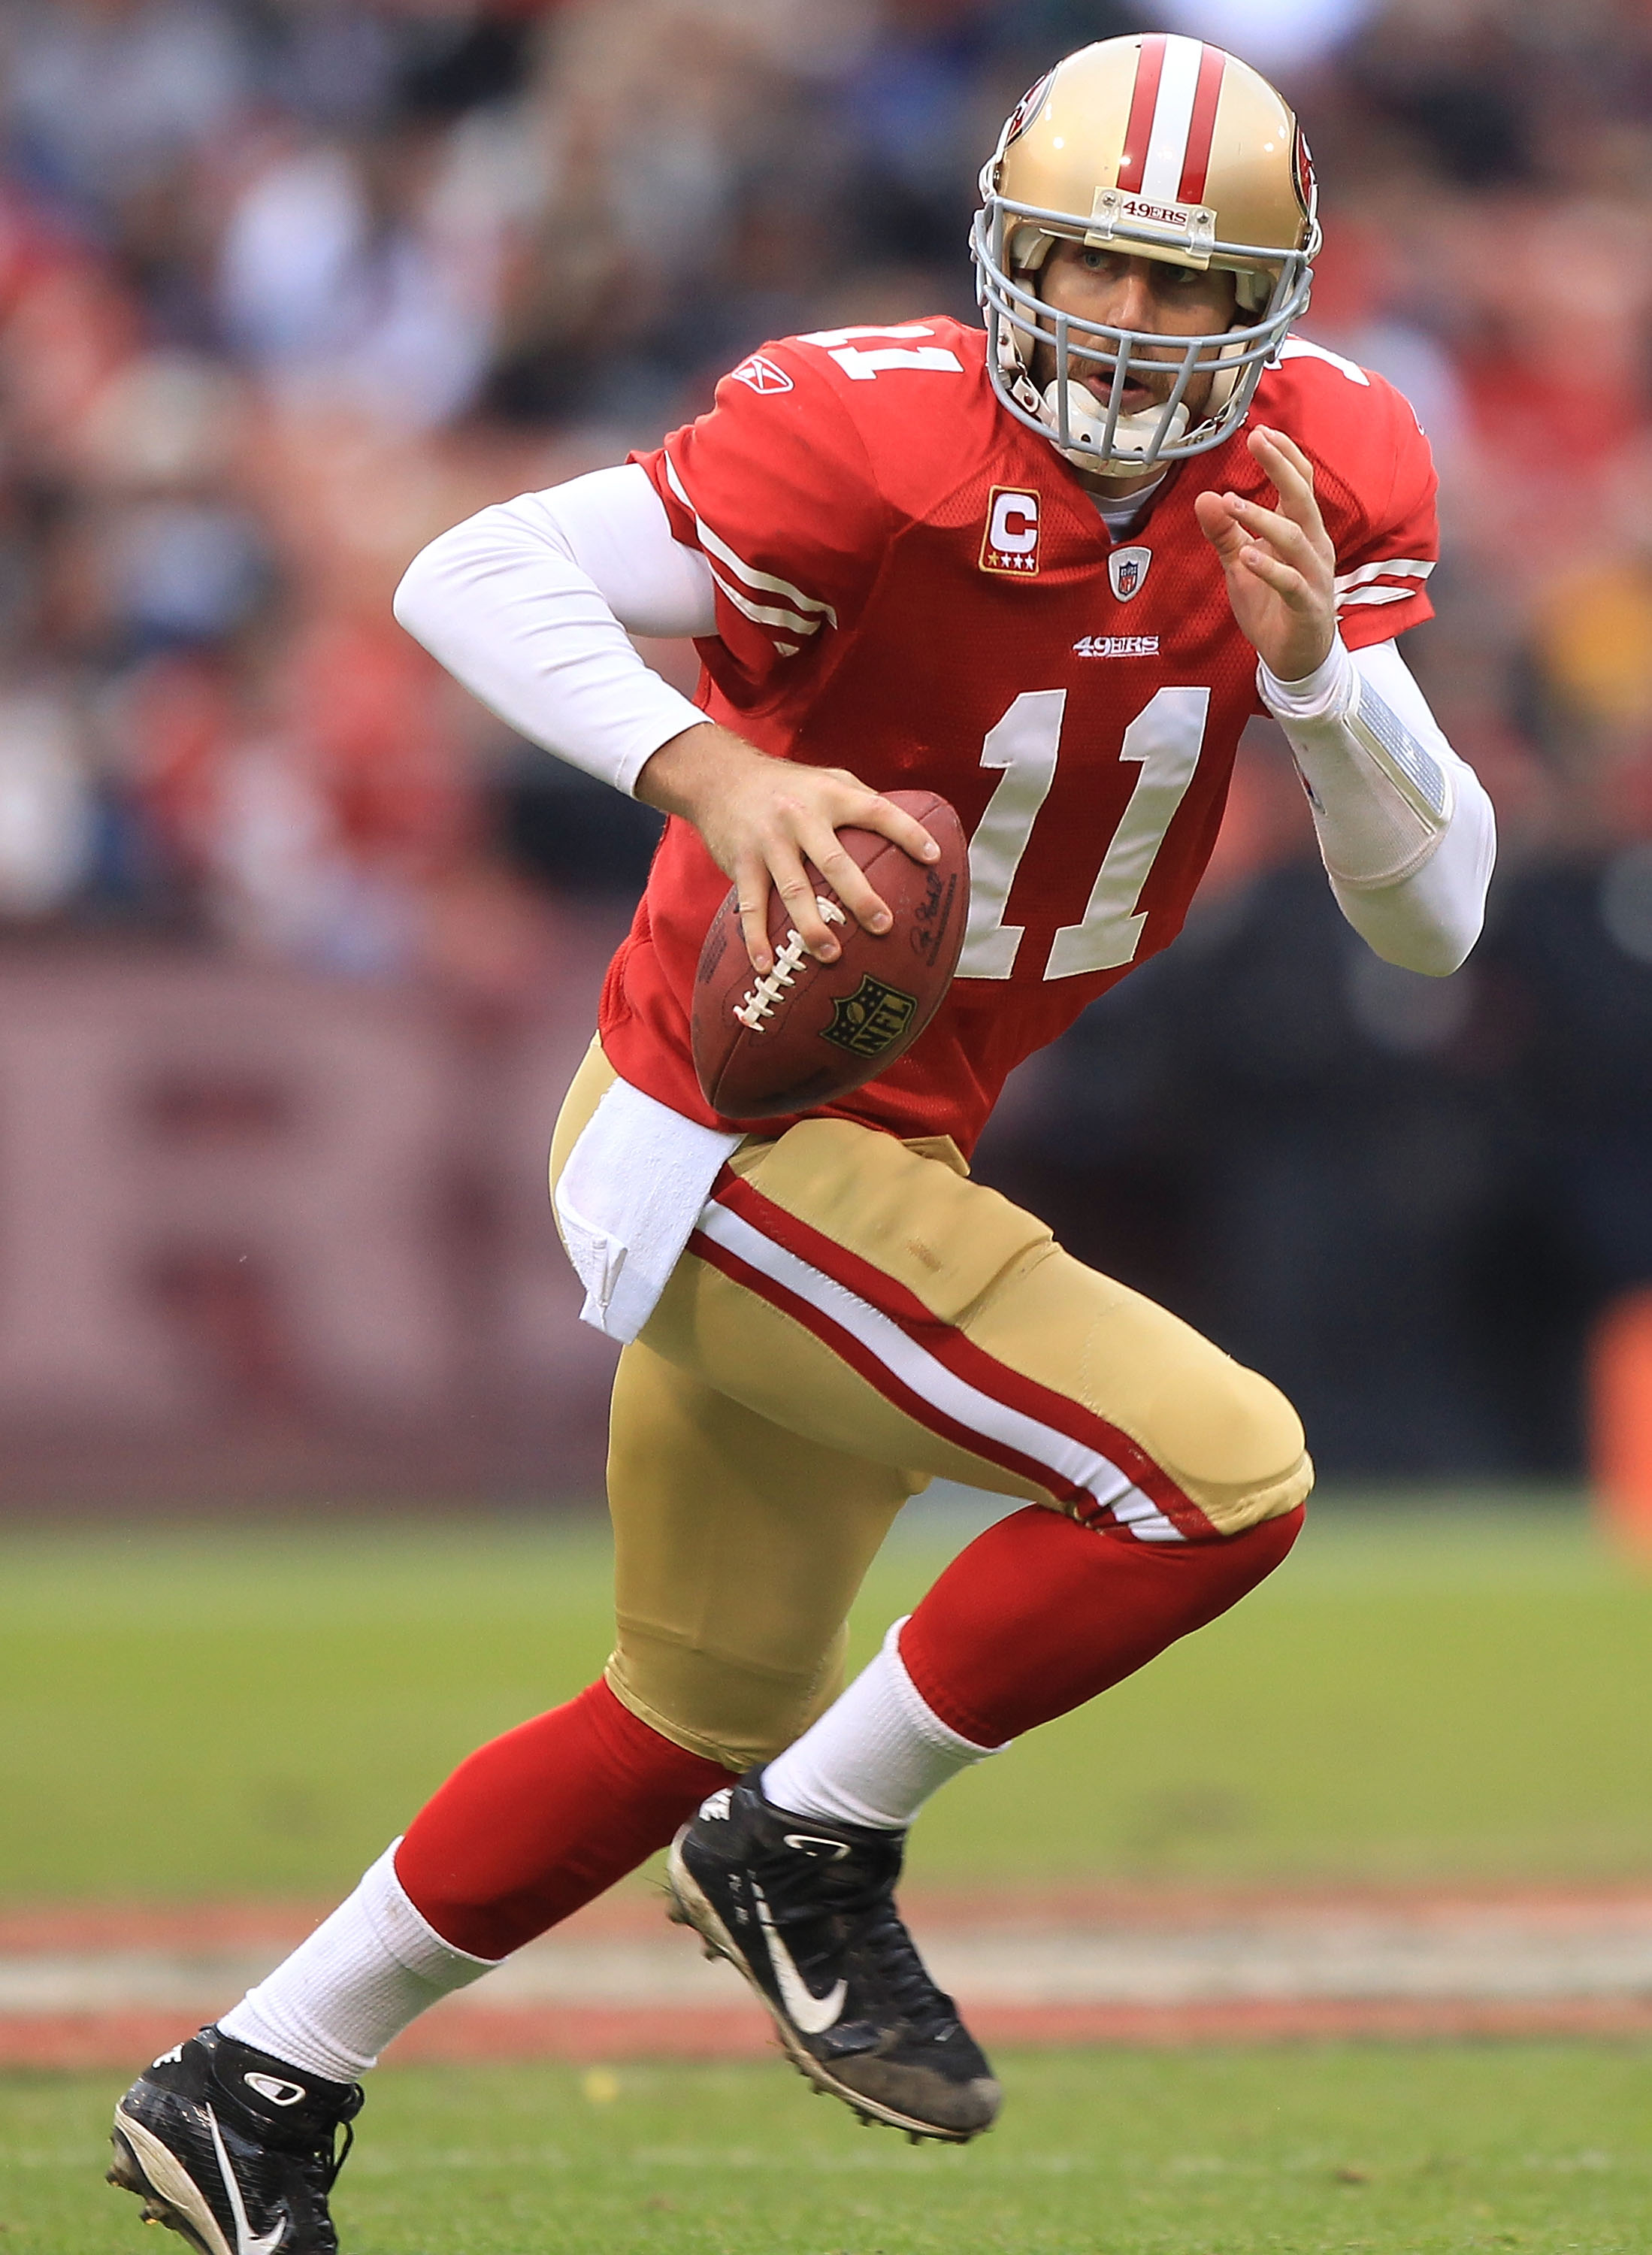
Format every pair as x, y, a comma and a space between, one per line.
1127, 568
1010, 542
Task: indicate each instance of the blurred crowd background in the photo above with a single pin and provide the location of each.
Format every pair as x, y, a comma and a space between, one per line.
286, 287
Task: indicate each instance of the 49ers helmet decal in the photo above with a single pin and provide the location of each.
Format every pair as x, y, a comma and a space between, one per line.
1160, 147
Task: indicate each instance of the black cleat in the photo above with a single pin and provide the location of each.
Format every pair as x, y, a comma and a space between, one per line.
234, 2149
805, 1910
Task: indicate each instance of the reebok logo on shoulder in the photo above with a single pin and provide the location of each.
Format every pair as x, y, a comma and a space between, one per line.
716, 1810
760, 374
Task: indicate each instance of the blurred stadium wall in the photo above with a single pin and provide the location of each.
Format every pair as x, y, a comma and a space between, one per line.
297, 946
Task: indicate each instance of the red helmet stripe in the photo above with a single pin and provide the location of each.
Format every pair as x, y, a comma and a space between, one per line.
1202, 127
1143, 102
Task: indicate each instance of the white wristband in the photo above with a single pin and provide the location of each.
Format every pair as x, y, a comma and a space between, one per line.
1317, 694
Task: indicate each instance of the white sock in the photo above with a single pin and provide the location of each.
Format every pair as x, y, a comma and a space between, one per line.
876, 1754
364, 1973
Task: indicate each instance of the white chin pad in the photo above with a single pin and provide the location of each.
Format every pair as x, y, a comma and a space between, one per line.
1132, 434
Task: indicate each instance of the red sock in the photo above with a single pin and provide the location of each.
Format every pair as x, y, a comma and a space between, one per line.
542, 1820
1039, 1614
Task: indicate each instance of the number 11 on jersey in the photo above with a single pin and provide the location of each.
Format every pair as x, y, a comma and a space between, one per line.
1166, 738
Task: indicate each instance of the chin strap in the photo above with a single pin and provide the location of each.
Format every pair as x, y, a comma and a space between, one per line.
1132, 434
1013, 370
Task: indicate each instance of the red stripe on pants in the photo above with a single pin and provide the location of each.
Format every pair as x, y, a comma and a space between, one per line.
950, 1346
864, 1364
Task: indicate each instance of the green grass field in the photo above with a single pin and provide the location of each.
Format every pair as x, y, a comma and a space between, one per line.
1420, 1693
1417, 1693
1398, 2151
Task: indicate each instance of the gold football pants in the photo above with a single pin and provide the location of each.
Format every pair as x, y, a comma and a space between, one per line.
853, 1317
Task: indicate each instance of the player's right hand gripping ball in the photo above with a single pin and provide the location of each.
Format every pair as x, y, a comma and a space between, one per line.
808, 1032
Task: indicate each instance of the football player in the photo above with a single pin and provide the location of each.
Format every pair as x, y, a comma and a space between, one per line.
1048, 568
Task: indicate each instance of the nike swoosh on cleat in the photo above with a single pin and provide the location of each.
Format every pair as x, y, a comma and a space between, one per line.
246, 2242
814, 2015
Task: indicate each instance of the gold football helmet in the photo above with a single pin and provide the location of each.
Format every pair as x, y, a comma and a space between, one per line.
1159, 147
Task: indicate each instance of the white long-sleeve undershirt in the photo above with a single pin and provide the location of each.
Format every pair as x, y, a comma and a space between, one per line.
530, 603
1411, 882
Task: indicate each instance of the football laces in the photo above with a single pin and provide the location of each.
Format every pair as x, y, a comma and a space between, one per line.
753, 1008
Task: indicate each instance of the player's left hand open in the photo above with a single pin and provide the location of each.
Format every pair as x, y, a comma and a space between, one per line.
1279, 564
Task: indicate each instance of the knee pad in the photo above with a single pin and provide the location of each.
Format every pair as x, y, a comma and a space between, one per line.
1235, 1448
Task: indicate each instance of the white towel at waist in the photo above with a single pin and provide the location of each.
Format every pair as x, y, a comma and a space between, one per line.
627, 1199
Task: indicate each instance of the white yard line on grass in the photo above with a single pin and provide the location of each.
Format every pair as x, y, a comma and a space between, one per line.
1512, 1949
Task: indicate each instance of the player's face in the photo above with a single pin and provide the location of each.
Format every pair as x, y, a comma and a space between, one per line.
1148, 295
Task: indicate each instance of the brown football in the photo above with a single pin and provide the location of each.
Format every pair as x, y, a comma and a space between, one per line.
809, 1032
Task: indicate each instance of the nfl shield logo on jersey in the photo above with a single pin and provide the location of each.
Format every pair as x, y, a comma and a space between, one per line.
1127, 568
1010, 542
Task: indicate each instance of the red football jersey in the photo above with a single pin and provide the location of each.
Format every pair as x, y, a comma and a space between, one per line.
912, 585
